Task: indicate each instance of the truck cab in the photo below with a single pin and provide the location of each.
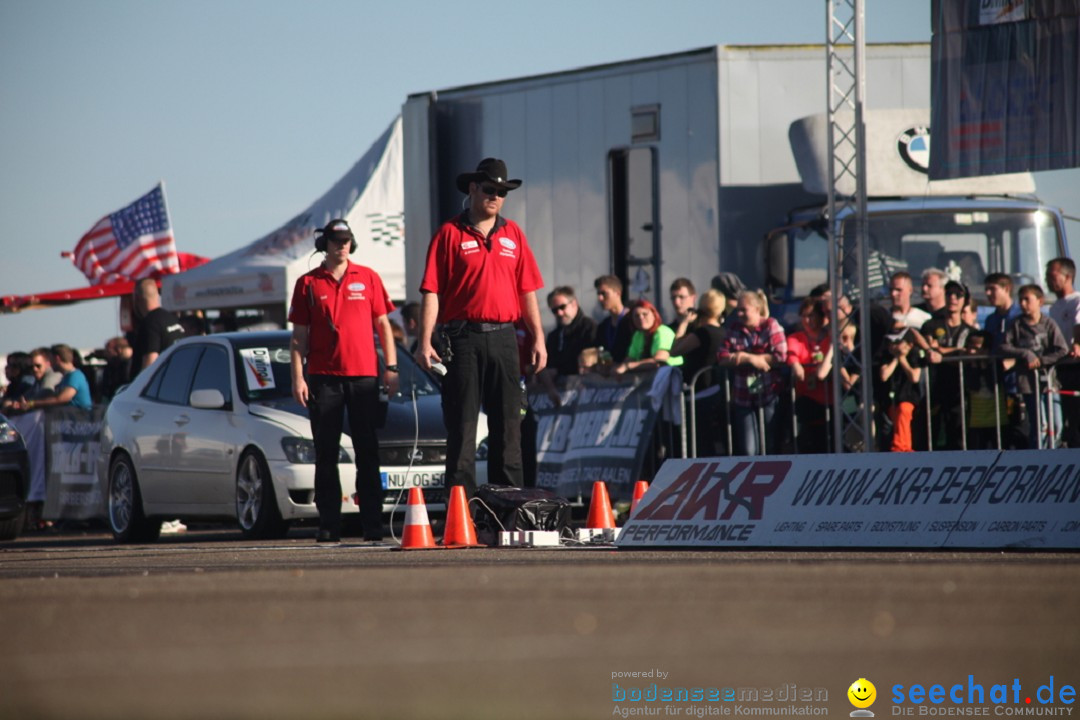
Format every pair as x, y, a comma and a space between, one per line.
966, 237
968, 227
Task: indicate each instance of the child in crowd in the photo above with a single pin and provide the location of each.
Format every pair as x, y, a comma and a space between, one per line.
900, 372
849, 365
1037, 343
850, 383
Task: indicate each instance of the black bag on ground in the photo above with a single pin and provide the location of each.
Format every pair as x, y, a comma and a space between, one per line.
512, 508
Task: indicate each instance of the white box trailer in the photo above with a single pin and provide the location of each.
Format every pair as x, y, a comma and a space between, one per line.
648, 169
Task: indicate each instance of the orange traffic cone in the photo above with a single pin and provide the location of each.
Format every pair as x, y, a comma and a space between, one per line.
417, 535
640, 488
600, 514
460, 531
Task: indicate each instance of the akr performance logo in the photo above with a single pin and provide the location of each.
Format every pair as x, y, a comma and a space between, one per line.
707, 503
706, 489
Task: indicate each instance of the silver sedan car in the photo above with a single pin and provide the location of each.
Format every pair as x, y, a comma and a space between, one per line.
210, 430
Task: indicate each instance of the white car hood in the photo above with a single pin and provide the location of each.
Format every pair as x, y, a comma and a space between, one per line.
291, 421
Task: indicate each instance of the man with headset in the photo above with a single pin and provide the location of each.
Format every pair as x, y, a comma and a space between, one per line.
335, 310
480, 278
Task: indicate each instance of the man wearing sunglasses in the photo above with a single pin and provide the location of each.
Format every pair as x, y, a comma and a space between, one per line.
46, 379
480, 278
574, 331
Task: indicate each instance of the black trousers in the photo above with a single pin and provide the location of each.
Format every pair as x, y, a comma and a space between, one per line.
330, 397
483, 372
813, 426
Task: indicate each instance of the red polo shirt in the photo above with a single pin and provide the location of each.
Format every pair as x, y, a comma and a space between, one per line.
341, 318
477, 282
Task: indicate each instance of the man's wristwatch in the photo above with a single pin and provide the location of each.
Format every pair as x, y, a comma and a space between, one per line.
391, 368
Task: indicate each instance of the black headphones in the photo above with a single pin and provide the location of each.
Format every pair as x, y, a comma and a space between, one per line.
333, 227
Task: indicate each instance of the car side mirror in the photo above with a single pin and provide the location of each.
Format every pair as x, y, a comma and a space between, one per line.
777, 259
209, 399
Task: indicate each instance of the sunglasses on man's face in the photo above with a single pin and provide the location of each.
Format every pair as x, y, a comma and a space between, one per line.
559, 308
493, 191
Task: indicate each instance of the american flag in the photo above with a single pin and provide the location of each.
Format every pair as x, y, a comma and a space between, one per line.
131, 243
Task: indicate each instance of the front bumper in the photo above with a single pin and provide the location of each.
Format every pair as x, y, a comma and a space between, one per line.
294, 487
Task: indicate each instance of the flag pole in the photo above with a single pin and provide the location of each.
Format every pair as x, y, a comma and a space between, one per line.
168, 218
165, 202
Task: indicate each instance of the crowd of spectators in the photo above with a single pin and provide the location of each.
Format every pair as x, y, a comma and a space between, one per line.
59, 376
939, 379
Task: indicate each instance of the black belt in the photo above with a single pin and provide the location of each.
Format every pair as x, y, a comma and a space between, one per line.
480, 327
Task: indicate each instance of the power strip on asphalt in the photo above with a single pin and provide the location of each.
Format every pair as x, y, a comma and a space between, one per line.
529, 538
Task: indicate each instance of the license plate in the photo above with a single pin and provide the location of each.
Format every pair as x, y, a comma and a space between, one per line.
417, 478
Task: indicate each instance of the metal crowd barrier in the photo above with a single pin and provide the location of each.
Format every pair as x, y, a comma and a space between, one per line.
1041, 392
1044, 393
690, 411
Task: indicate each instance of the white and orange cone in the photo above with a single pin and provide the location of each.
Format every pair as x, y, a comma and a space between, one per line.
417, 534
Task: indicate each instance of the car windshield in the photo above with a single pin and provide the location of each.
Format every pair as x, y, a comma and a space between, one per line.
264, 373
967, 245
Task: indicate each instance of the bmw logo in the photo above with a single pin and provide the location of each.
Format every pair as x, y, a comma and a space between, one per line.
914, 148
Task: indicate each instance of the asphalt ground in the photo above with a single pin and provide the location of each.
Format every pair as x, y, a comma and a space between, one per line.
210, 625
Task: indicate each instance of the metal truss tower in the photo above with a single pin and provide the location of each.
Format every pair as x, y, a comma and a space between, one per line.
846, 61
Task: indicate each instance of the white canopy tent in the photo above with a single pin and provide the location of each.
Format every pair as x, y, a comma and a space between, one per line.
370, 197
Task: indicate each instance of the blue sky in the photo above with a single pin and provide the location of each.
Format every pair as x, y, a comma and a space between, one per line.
250, 110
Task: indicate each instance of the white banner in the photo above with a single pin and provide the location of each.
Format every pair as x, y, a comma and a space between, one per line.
370, 196
984, 499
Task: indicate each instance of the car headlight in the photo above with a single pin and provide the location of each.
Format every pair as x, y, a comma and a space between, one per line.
8, 434
301, 451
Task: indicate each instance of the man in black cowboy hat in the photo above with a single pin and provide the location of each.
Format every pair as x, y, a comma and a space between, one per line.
335, 310
480, 279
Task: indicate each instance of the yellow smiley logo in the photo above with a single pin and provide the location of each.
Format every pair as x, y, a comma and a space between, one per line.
862, 693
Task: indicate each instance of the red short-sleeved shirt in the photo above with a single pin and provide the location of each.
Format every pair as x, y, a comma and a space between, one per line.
475, 282
340, 317
810, 354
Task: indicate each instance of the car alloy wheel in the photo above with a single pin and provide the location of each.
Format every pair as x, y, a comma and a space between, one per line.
249, 492
256, 509
120, 497
126, 519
